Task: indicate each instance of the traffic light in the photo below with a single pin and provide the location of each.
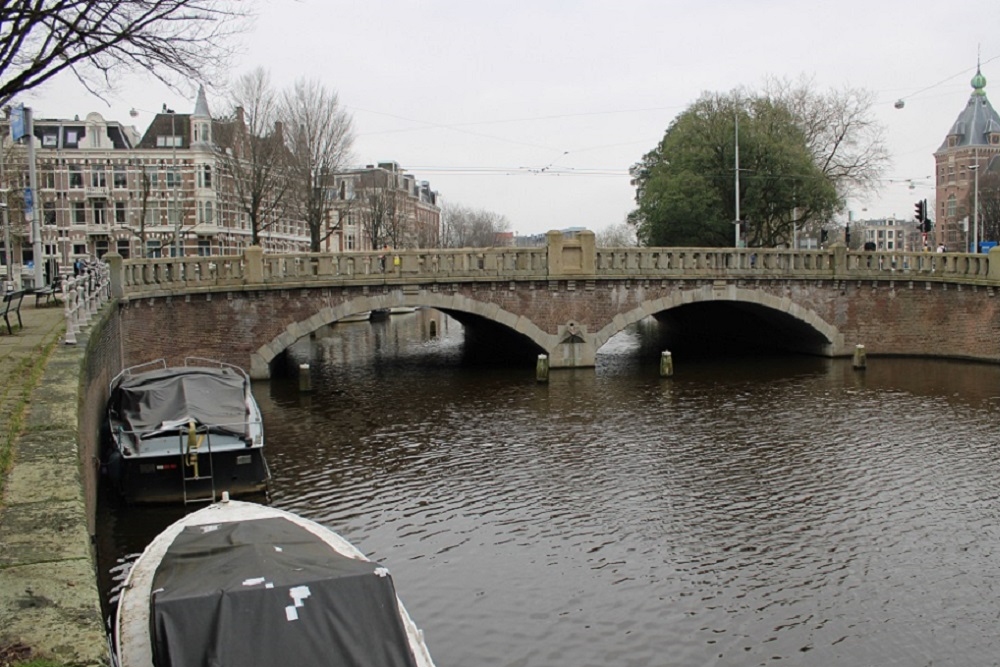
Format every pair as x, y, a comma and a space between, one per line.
920, 213
927, 225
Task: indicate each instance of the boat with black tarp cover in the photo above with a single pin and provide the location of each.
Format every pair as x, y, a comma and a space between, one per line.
183, 433
237, 583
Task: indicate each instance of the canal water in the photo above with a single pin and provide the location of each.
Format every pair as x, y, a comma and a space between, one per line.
747, 511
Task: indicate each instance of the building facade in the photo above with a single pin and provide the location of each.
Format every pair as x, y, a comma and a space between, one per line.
970, 148
103, 186
382, 205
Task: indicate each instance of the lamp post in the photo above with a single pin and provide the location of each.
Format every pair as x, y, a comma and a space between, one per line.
736, 118
975, 207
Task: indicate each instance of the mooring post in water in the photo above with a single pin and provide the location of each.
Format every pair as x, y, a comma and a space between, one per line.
542, 368
305, 380
666, 364
859, 357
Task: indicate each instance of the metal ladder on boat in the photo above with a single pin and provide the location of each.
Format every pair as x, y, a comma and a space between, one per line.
193, 445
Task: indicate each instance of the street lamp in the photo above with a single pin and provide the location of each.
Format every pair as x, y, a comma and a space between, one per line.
975, 207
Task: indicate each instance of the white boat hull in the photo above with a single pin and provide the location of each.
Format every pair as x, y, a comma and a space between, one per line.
132, 621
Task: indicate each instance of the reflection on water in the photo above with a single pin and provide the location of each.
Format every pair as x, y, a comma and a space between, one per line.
741, 512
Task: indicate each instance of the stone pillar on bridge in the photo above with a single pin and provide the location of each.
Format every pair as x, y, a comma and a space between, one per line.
116, 275
994, 260
571, 256
254, 256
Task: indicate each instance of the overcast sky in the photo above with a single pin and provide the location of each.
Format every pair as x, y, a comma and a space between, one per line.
536, 110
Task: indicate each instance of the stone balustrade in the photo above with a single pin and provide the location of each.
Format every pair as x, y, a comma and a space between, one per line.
570, 258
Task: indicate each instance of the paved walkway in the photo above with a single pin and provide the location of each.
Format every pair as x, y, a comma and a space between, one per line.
49, 602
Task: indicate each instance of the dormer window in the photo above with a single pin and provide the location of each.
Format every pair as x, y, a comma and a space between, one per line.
168, 141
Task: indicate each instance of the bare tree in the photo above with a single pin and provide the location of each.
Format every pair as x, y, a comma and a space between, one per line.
250, 148
381, 207
847, 143
989, 206
318, 137
96, 39
465, 227
621, 235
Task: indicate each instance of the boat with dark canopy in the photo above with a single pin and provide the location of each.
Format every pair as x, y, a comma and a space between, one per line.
184, 433
238, 583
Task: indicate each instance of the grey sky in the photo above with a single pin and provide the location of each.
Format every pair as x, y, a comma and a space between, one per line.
537, 109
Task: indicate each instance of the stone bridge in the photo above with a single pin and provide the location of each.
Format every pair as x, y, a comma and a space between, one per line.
567, 298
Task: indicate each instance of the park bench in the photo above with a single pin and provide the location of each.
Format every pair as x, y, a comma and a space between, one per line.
12, 304
48, 292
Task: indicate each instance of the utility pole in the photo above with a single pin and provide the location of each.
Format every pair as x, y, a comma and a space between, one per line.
736, 117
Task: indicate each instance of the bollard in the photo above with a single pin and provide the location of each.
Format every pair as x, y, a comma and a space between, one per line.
666, 364
305, 380
859, 357
542, 368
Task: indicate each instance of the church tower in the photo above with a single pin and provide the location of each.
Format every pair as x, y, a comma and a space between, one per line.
970, 148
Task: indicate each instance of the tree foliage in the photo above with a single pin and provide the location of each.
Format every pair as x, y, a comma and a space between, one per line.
318, 139
466, 227
793, 173
96, 39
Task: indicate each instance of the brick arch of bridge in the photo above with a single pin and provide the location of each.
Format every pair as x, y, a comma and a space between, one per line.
261, 358
834, 337
571, 345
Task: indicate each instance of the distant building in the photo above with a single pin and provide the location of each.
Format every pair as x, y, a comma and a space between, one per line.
972, 141
889, 234
381, 204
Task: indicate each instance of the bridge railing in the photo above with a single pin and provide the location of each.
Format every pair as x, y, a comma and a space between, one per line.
835, 262
255, 268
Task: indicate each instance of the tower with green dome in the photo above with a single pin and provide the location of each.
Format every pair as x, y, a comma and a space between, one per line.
972, 141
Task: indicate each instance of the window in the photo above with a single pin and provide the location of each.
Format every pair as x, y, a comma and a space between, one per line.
75, 176
167, 141
49, 212
49, 140
120, 178
124, 248
173, 213
48, 178
120, 212
205, 176
204, 247
101, 247
152, 213
206, 213
79, 213
154, 179
79, 248
350, 241
72, 137
173, 178
153, 248
952, 206
98, 177
99, 211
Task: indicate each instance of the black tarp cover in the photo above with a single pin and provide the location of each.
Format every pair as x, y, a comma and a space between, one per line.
227, 596
209, 396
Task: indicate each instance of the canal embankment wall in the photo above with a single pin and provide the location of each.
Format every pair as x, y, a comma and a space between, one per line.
49, 597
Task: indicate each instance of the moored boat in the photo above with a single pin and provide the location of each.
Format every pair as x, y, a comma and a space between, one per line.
237, 583
184, 433
357, 317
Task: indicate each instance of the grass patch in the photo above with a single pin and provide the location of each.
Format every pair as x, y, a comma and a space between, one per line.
15, 400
